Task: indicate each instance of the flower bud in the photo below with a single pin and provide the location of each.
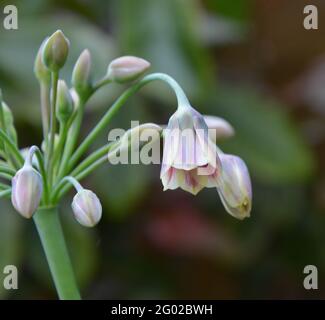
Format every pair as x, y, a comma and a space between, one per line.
27, 189
55, 51
87, 208
42, 73
234, 186
81, 73
127, 68
219, 128
64, 104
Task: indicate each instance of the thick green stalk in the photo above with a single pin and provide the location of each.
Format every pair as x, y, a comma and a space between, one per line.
50, 232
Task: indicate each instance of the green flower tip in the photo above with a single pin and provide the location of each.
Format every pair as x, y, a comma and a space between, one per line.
64, 102
55, 51
81, 80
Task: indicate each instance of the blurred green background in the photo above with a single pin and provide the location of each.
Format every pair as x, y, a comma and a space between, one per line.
249, 61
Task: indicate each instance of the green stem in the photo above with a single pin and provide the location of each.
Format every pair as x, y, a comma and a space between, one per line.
8, 170
50, 146
45, 107
73, 136
63, 187
5, 193
15, 152
42, 170
50, 231
181, 98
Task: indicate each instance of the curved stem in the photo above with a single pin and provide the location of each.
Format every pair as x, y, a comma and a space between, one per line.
50, 232
181, 98
62, 188
92, 158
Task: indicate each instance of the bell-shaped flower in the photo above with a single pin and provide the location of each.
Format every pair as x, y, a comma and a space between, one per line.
190, 159
234, 186
27, 188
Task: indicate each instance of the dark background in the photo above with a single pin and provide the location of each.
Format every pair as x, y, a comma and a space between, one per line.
251, 62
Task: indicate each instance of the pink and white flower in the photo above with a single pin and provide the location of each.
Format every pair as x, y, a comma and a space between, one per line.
190, 159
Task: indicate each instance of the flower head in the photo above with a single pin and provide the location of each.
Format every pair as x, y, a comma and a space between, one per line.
234, 186
190, 159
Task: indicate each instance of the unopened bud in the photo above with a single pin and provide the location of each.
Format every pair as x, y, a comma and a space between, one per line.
9, 121
64, 107
55, 51
87, 208
219, 128
81, 73
27, 188
127, 68
234, 186
42, 73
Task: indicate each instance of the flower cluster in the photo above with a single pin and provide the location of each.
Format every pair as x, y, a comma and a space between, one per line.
191, 159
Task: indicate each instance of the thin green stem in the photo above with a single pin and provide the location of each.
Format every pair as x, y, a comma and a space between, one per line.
8, 170
5, 176
50, 232
43, 173
63, 187
181, 98
92, 158
45, 108
50, 146
5, 193
12, 147
73, 136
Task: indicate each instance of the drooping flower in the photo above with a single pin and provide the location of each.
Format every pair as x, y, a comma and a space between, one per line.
234, 186
27, 188
190, 159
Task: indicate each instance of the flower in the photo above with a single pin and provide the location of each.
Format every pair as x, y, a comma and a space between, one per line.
190, 159
234, 186
27, 188
87, 208
127, 68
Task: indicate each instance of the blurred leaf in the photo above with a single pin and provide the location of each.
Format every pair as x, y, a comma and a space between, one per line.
10, 240
265, 136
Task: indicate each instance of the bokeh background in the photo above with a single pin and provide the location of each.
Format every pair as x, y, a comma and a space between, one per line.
249, 61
